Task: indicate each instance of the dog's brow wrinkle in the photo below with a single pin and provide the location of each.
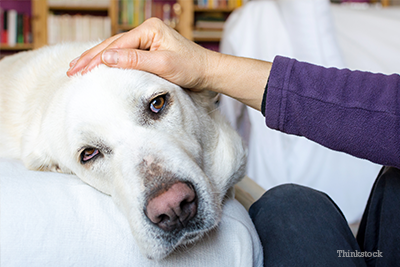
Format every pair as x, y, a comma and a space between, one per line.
104, 148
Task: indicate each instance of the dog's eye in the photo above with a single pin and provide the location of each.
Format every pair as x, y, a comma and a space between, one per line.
157, 104
89, 154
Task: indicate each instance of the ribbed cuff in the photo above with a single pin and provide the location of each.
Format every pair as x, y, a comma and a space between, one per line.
264, 100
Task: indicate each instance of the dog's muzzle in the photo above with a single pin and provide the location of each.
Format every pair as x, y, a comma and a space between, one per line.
172, 209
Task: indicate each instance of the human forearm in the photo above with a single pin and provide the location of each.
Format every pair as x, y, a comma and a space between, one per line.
241, 78
350, 111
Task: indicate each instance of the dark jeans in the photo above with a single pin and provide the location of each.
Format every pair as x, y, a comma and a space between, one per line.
299, 226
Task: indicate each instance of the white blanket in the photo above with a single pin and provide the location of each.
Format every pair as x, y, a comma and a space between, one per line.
51, 219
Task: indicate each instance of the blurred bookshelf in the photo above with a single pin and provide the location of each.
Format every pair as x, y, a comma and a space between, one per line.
54, 21
35, 23
208, 20
383, 3
15, 27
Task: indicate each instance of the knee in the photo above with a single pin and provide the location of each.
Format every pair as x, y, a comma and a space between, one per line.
285, 201
280, 196
388, 181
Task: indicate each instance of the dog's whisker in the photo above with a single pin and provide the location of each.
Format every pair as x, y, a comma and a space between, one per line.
213, 110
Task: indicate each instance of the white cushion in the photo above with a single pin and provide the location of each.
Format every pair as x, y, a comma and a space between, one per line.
51, 219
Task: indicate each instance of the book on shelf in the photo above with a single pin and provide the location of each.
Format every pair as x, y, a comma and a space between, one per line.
3, 26
210, 21
15, 28
206, 24
131, 13
79, 3
207, 34
77, 28
20, 28
219, 3
12, 27
27, 29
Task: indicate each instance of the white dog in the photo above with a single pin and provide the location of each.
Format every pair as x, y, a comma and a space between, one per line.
165, 155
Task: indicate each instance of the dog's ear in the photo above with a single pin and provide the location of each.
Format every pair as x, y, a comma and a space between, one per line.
227, 157
206, 99
37, 162
213, 96
35, 158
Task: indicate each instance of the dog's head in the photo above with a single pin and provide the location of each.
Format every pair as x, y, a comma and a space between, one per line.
165, 155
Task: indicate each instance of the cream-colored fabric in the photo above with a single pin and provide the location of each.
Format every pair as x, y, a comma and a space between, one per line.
52, 219
247, 191
368, 37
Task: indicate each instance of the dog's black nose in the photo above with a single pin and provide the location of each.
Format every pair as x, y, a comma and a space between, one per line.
174, 208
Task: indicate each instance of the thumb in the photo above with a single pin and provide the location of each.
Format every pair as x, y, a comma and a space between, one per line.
126, 58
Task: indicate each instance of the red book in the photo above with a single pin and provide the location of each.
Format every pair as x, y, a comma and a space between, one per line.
4, 33
1, 24
27, 29
158, 10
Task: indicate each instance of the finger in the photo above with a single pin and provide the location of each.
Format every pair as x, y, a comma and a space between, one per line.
127, 58
73, 62
157, 62
94, 62
141, 37
136, 38
81, 62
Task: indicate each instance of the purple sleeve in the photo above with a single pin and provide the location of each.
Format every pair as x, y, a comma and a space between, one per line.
351, 111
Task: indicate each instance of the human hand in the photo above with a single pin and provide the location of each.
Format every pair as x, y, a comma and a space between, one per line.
153, 47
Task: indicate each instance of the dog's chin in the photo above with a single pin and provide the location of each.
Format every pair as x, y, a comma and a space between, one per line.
169, 243
163, 251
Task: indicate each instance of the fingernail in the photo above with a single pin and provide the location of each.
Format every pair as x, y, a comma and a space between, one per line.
73, 62
72, 65
69, 71
110, 57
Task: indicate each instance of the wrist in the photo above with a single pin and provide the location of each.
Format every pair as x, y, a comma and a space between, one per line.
212, 69
241, 78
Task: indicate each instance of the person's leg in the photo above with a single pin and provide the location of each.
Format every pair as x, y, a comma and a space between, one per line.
299, 226
379, 230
